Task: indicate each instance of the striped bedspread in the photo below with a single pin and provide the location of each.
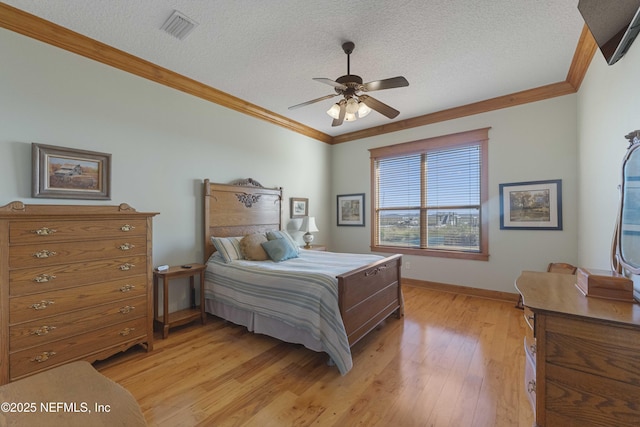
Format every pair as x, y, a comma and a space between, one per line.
302, 292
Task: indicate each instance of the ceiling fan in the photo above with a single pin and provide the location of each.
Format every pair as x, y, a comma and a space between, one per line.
355, 105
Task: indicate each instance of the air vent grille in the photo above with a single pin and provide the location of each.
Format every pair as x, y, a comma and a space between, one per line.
179, 25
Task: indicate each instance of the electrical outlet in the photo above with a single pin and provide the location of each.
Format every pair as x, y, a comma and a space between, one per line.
407, 265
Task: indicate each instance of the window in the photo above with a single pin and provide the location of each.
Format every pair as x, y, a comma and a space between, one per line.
430, 196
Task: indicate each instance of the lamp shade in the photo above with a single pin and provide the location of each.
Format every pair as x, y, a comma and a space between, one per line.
334, 111
309, 224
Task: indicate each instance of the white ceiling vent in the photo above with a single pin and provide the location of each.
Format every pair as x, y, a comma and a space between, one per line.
179, 25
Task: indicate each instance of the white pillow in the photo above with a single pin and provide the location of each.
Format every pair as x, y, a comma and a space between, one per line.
229, 247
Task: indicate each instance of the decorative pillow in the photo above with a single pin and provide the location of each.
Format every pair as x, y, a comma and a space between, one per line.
273, 235
251, 247
280, 249
229, 247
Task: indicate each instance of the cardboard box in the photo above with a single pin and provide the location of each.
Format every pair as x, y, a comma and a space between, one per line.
604, 284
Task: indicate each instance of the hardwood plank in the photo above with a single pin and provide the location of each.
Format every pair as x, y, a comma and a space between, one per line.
453, 360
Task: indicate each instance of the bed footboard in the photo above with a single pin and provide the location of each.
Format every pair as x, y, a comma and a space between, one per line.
370, 294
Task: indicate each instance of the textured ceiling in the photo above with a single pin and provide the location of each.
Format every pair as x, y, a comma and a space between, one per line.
452, 52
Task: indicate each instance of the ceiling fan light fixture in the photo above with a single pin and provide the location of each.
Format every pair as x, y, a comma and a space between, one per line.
350, 117
352, 106
363, 110
334, 111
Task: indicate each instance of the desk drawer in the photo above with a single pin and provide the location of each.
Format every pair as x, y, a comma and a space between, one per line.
74, 348
48, 230
55, 328
47, 304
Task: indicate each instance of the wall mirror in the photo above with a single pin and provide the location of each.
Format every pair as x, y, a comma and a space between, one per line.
627, 235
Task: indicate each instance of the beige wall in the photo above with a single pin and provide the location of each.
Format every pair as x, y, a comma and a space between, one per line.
163, 143
608, 109
530, 142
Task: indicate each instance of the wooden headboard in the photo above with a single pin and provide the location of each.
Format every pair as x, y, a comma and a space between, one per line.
239, 208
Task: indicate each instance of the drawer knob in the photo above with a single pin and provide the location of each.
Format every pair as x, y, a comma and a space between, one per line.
44, 231
127, 288
127, 309
126, 266
127, 227
44, 254
44, 356
126, 246
531, 386
126, 331
43, 278
43, 330
41, 305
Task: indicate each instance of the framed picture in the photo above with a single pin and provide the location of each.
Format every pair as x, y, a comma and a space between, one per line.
534, 205
67, 173
299, 207
351, 209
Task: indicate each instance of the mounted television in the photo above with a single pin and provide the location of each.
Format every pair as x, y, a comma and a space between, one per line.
613, 23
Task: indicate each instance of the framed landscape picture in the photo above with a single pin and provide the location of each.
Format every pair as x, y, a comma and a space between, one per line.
351, 209
533, 205
67, 173
299, 207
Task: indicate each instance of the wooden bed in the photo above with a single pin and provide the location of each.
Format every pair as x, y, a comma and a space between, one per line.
367, 295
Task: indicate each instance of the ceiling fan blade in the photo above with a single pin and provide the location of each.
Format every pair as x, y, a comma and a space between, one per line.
380, 107
343, 111
322, 98
330, 82
385, 84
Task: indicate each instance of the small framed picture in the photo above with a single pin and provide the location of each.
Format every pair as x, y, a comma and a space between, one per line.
68, 173
299, 207
533, 205
351, 209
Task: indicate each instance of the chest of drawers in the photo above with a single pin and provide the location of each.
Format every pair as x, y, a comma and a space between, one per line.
75, 284
583, 363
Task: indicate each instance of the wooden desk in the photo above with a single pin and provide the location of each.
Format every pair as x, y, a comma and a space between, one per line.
187, 315
585, 354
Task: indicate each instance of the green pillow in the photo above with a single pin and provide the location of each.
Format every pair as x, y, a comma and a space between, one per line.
273, 235
280, 250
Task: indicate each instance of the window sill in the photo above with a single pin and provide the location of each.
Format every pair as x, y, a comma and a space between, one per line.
474, 256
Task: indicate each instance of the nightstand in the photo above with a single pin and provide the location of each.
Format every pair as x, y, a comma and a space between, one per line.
315, 248
180, 317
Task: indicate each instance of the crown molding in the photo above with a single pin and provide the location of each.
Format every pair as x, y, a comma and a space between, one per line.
45, 31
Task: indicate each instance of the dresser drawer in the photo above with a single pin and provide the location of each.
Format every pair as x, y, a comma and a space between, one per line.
46, 304
55, 328
55, 353
530, 319
530, 346
589, 347
52, 230
530, 380
47, 278
65, 252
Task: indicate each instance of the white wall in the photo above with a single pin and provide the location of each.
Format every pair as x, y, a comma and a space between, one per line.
531, 142
608, 109
163, 143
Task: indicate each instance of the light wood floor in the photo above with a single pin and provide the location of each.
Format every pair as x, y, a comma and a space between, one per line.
453, 360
